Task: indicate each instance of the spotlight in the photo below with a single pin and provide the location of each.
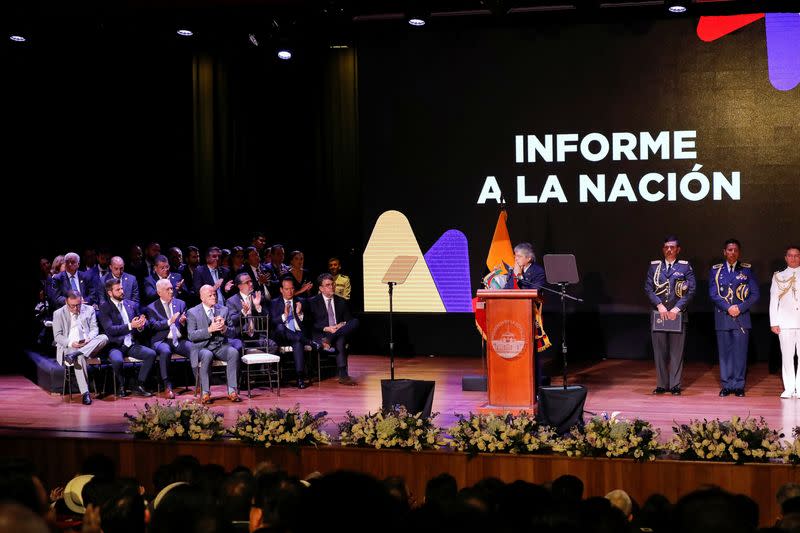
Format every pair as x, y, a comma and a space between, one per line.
252, 38
676, 7
417, 14
17, 38
416, 21
185, 33
284, 54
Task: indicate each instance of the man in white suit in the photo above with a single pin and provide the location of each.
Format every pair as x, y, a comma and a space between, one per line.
784, 317
76, 338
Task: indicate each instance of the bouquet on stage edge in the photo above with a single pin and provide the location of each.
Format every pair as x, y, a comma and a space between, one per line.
737, 440
391, 428
793, 448
609, 436
506, 433
280, 426
180, 421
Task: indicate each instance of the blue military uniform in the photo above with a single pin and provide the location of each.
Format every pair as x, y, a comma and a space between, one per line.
727, 288
674, 287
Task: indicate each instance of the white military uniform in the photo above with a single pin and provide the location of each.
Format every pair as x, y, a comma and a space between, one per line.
784, 311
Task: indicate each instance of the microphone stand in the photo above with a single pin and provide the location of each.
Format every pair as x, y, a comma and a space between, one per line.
391, 285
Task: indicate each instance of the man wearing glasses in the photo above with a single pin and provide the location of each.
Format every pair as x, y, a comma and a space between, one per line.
669, 286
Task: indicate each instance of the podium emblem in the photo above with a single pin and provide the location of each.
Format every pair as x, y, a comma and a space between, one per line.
508, 339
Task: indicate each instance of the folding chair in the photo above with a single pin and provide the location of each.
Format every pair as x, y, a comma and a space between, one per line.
254, 334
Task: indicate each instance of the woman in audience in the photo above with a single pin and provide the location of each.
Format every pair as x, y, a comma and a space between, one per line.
300, 276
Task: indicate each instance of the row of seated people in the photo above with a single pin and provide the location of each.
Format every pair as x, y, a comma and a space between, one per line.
187, 278
208, 330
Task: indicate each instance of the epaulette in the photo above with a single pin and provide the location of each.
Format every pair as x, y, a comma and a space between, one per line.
718, 265
746, 265
655, 262
683, 261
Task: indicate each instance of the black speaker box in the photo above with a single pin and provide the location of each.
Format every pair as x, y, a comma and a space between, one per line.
561, 408
414, 394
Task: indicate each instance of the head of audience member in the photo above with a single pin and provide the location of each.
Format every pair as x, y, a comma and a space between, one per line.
208, 295
20, 484
253, 258
152, 250
287, 288
398, 490
296, 260
89, 258
567, 490
245, 283
620, 499
73, 302
122, 510
103, 257
524, 255
225, 258
58, 265
212, 256
334, 266
792, 256
266, 255
787, 491
654, 514
326, 285
731, 250
441, 491
236, 497
522, 504
164, 290
271, 506
748, 508
161, 267
117, 267
185, 508
175, 258
20, 519
237, 258
192, 256
671, 248
114, 290
71, 263
44, 268
277, 254
135, 255
259, 241
709, 510
598, 515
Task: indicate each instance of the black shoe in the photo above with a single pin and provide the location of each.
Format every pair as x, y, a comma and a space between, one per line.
676, 391
347, 380
301, 384
72, 358
724, 392
314, 344
739, 393
122, 393
138, 390
659, 390
87, 399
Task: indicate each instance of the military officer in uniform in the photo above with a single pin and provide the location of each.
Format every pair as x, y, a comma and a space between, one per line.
669, 286
784, 316
733, 289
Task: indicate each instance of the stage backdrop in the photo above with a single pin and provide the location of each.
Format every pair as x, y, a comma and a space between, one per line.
601, 138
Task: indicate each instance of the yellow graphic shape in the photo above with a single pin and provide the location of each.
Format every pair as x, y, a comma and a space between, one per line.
393, 236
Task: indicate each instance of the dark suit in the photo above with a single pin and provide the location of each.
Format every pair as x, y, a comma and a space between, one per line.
532, 278
207, 345
150, 292
319, 320
60, 284
158, 322
738, 288
257, 286
117, 330
275, 275
284, 335
130, 286
234, 305
672, 287
202, 276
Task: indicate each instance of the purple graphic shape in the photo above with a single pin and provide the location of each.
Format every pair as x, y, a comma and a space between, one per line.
783, 49
448, 262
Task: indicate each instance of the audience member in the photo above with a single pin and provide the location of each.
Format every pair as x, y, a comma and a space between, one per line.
167, 320
129, 283
341, 282
332, 324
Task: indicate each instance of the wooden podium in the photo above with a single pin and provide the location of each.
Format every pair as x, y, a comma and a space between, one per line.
510, 348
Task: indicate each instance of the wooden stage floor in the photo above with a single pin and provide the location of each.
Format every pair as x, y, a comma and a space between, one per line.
613, 385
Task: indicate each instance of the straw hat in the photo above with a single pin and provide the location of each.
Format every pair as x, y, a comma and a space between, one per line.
163, 492
73, 496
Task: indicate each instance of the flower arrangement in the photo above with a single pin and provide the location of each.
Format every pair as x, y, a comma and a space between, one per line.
609, 436
180, 421
506, 433
280, 426
391, 428
737, 440
793, 448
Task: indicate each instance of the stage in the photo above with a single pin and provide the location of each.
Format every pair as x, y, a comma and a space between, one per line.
56, 434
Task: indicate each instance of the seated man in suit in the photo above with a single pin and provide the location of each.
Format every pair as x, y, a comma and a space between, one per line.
161, 271
130, 285
126, 333
212, 274
72, 279
247, 302
258, 274
332, 323
167, 319
207, 325
76, 338
286, 318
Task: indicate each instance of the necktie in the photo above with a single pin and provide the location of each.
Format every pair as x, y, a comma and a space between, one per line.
730, 269
215, 277
248, 317
669, 269
73, 283
126, 321
172, 327
331, 314
290, 318
211, 314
